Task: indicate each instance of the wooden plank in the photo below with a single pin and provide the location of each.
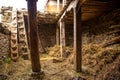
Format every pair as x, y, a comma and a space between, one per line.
32, 27
77, 39
70, 5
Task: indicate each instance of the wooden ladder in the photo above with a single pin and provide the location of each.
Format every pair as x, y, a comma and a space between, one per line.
23, 45
14, 37
19, 46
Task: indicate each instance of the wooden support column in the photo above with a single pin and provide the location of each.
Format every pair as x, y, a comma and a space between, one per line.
33, 35
57, 35
58, 4
77, 39
62, 38
63, 4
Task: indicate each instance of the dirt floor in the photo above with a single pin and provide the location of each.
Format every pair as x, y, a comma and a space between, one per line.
98, 64
53, 70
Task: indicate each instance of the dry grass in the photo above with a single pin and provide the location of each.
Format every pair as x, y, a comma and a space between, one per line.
16, 70
55, 51
95, 57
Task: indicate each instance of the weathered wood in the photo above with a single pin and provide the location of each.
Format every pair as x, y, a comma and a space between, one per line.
57, 35
14, 37
63, 3
62, 38
58, 4
69, 6
77, 39
32, 26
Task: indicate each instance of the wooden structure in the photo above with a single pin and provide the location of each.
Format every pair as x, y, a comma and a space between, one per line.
75, 12
33, 35
22, 35
14, 37
19, 46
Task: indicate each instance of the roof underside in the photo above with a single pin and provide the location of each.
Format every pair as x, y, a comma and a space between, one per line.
90, 9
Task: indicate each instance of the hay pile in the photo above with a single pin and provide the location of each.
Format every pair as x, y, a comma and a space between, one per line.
55, 51
15, 70
94, 57
111, 72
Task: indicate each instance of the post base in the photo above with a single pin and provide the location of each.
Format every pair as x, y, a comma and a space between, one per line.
37, 75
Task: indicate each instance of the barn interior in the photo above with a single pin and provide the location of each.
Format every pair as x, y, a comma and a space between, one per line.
70, 40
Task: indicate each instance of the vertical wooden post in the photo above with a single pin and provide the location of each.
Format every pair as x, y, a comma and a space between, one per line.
63, 3
77, 39
57, 35
58, 4
32, 26
62, 38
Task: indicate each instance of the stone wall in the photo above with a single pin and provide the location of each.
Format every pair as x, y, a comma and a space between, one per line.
47, 34
4, 41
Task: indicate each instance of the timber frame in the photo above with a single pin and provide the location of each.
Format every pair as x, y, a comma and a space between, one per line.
76, 11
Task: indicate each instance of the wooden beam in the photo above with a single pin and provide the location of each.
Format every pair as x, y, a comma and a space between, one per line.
32, 26
77, 38
62, 38
70, 5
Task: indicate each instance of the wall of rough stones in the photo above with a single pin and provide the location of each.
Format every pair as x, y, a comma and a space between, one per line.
47, 34
4, 41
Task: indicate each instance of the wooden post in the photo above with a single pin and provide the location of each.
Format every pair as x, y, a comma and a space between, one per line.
58, 4
77, 39
63, 3
57, 35
62, 38
32, 26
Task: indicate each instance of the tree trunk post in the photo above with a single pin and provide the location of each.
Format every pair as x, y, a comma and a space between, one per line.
33, 35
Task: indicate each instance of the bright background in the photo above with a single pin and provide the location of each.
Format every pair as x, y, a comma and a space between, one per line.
21, 4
